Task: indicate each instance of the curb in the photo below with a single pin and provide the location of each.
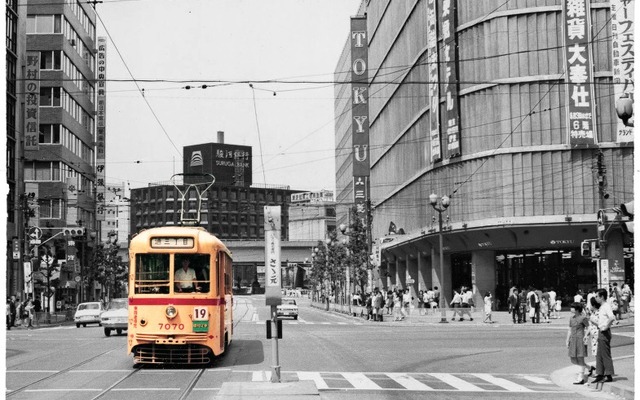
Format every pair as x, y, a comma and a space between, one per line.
610, 391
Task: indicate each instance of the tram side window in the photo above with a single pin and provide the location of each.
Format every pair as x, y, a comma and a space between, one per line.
192, 273
152, 273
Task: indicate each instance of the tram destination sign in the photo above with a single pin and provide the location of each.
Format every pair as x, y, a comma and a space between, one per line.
172, 243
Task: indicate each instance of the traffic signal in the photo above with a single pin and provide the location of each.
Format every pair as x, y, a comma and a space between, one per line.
627, 214
585, 248
73, 231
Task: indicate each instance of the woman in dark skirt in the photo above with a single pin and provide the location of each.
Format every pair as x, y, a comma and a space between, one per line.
577, 337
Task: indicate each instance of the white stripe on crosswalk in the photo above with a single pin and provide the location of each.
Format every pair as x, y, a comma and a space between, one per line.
506, 384
359, 381
537, 379
325, 323
313, 376
457, 382
408, 382
261, 376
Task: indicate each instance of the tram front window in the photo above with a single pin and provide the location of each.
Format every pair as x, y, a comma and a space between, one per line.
191, 273
152, 274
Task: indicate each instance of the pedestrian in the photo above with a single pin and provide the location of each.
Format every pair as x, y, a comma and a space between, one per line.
523, 304
369, 305
488, 302
544, 308
467, 303
626, 297
577, 337
388, 304
8, 312
532, 300
37, 307
406, 302
614, 301
28, 310
397, 306
514, 306
455, 304
552, 303
578, 298
12, 305
377, 305
604, 319
421, 302
426, 301
593, 310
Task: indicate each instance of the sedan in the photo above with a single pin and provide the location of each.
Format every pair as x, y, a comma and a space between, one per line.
116, 316
88, 313
288, 308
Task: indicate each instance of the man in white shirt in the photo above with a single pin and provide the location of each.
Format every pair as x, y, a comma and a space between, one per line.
185, 278
604, 319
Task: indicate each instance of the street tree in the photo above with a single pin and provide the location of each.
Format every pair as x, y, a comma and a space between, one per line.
358, 251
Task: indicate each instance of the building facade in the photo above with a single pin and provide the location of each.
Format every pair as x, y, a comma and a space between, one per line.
311, 215
470, 99
51, 144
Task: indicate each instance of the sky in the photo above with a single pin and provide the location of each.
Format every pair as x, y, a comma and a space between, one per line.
169, 44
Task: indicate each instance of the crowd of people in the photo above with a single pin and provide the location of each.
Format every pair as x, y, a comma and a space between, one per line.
590, 327
24, 312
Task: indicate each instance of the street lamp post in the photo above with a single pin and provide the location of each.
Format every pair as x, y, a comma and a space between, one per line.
442, 206
343, 229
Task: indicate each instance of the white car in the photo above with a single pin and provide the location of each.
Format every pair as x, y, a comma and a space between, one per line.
288, 308
116, 316
88, 313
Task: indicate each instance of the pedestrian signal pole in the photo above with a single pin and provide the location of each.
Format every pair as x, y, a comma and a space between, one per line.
273, 283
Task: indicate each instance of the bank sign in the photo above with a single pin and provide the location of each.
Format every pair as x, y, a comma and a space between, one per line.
229, 164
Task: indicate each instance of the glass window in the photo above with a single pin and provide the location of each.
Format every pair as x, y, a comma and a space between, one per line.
31, 24
44, 24
191, 273
152, 273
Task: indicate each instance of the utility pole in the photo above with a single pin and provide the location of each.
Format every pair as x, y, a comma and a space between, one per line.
603, 261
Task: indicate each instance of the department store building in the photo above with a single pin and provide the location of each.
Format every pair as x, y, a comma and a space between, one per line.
509, 110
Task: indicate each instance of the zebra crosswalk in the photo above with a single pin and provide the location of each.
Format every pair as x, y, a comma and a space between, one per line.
301, 321
422, 382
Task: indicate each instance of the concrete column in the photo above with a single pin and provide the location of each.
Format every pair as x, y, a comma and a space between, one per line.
392, 278
483, 275
401, 273
443, 283
424, 272
412, 273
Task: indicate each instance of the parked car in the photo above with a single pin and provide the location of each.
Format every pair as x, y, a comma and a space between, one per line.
88, 313
288, 308
116, 316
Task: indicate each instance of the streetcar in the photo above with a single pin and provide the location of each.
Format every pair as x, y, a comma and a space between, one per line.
180, 295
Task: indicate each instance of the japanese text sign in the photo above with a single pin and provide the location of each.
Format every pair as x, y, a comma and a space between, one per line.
272, 255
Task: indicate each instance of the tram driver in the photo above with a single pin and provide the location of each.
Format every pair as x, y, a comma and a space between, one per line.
185, 278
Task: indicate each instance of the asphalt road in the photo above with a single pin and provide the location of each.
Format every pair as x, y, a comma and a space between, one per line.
345, 357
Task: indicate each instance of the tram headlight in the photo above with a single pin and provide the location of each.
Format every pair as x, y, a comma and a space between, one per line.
171, 312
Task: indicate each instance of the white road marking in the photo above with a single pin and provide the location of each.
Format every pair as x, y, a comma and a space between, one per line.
510, 386
261, 376
313, 376
537, 379
408, 382
63, 390
457, 383
360, 381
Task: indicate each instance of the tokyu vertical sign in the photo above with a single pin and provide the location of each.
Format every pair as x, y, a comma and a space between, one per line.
359, 96
581, 116
273, 284
450, 84
360, 113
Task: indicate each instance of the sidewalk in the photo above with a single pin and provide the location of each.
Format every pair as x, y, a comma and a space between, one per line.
622, 387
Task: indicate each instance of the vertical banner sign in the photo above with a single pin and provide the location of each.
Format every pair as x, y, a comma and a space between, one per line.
273, 285
434, 90
32, 101
361, 197
579, 72
101, 103
359, 96
450, 46
623, 55
360, 114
